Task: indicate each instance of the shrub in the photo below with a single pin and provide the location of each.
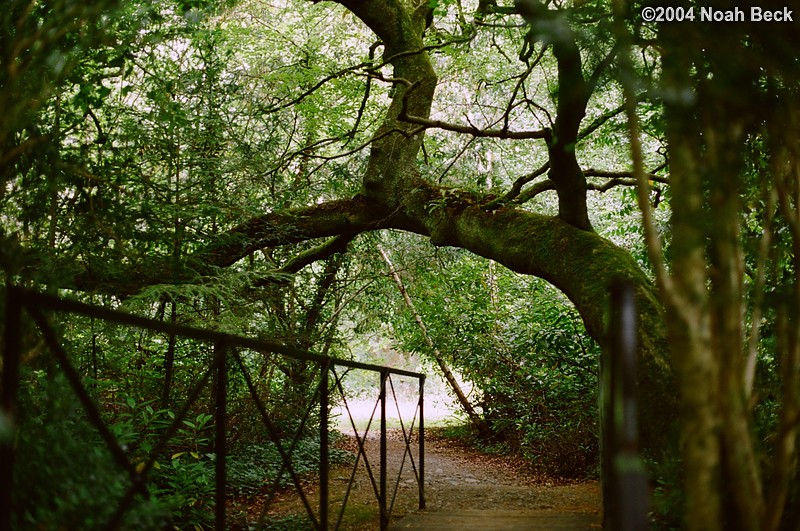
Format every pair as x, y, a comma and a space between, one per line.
64, 475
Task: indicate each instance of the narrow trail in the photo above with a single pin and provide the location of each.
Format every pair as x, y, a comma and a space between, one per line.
463, 487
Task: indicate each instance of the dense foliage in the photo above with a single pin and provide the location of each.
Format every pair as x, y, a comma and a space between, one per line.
240, 165
522, 347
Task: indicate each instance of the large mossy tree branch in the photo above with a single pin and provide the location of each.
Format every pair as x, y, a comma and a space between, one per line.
333, 218
340, 220
562, 250
579, 263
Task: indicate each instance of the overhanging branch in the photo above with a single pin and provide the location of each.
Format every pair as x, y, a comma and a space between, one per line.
334, 218
342, 220
625, 175
337, 244
616, 178
468, 129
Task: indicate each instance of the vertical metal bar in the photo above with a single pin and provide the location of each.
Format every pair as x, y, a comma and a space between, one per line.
607, 479
627, 488
421, 443
11, 353
220, 357
383, 500
324, 461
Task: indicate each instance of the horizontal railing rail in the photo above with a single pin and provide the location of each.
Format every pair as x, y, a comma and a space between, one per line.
227, 350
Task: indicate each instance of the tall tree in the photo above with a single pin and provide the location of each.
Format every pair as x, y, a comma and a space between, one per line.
398, 73
397, 191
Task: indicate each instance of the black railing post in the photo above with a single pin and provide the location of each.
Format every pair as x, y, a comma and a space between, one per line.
324, 460
11, 353
422, 443
383, 472
220, 400
624, 480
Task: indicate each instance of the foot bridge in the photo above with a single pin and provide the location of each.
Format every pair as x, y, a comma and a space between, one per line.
36, 321
291, 496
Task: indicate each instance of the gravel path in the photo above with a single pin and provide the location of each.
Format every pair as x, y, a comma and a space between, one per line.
461, 484
459, 478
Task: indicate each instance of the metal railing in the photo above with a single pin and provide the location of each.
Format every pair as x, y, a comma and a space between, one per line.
227, 350
624, 479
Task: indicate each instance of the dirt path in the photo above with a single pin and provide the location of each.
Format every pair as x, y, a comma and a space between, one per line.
459, 478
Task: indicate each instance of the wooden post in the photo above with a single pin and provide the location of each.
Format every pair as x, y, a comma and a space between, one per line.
624, 480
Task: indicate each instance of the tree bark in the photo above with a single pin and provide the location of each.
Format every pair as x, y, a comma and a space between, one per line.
574, 92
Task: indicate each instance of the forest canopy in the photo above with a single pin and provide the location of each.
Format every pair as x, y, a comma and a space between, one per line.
244, 164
